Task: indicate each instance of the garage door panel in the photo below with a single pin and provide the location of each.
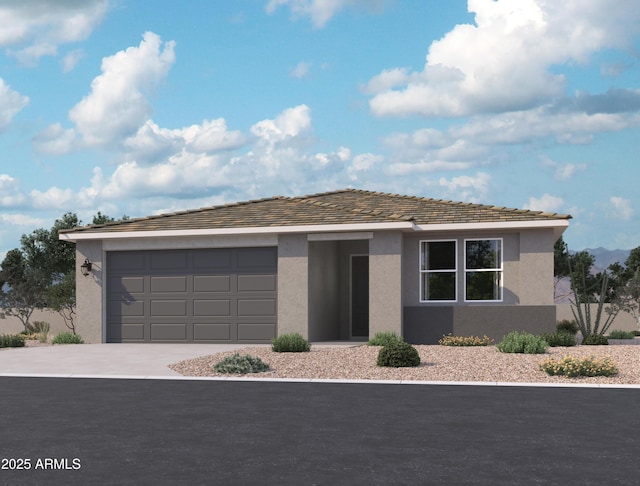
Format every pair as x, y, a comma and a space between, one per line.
161, 308
168, 331
215, 308
256, 307
212, 332
257, 258
251, 283
126, 285
169, 284
203, 295
168, 260
212, 283
126, 332
212, 259
256, 331
127, 261
128, 309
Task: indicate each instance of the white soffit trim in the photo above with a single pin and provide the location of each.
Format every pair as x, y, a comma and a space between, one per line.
368, 235
312, 228
500, 225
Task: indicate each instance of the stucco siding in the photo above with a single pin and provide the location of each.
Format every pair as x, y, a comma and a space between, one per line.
536, 267
293, 284
385, 282
89, 295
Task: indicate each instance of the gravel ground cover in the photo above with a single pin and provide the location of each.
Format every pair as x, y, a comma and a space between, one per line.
438, 363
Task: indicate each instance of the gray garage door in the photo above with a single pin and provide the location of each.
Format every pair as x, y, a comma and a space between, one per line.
205, 296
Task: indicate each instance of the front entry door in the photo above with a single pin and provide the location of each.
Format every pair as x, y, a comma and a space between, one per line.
360, 295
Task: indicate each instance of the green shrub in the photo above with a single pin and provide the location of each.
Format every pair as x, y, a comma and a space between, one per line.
567, 325
398, 355
384, 338
11, 341
290, 343
572, 367
28, 335
559, 338
43, 334
636, 333
526, 343
36, 327
595, 340
450, 340
241, 365
621, 335
67, 338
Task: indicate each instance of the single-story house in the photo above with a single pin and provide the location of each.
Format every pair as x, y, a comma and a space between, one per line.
339, 265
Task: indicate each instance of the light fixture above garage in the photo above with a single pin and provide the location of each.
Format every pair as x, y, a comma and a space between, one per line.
85, 268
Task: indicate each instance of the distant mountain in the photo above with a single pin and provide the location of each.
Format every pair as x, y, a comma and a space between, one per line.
605, 257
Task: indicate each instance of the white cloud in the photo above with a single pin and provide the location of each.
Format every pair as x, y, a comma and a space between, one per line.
55, 140
301, 70
21, 220
289, 124
52, 198
37, 27
321, 11
502, 62
567, 171
546, 203
10, 194
11, 102
621, 208
117, 105
467, 188
71, 59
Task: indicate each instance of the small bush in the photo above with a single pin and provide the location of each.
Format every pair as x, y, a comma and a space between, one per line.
526, 343
384, 338
450, 340
290, 343
559, 338
241, 365
11, 341
36, 327
43, 334
572, 367
28, 335
636, 333
567, 325
595, 340
67, 338
398, 355
621, 335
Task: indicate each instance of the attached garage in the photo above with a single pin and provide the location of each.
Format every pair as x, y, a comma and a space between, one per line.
221, 295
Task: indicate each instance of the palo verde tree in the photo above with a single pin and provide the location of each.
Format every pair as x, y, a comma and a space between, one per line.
626, 297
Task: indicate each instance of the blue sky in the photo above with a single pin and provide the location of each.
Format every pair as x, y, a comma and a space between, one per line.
136, 107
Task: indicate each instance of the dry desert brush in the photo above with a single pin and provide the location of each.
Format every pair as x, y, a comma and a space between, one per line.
572, 367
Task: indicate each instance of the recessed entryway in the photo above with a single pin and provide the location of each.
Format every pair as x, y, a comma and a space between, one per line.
359, 301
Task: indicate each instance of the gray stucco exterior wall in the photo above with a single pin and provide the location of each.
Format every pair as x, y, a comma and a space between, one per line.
385, 283
89, 298
293, 284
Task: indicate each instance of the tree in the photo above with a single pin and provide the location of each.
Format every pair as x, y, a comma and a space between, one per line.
61, 297
560, 268
626, 297
22, 287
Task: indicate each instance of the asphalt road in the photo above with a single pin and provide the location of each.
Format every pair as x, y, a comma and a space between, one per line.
107, 431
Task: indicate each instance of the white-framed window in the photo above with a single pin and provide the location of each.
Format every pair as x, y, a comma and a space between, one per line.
438, 271
483, 270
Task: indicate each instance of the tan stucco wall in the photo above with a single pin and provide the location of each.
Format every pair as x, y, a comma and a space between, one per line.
89, 299
622, 322
536, 267
293, 285
12, 325
385, 282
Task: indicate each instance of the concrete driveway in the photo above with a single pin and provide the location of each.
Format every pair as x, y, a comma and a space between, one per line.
130, 360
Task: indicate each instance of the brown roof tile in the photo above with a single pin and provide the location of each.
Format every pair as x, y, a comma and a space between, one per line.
346, 206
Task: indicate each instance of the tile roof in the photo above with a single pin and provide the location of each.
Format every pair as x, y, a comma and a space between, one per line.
347, 206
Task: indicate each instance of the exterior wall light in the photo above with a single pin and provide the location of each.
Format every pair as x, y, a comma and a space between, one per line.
85, 268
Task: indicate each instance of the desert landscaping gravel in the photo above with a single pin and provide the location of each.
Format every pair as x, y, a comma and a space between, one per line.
438, 363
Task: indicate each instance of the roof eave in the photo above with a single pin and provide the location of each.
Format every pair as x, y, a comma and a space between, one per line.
252, 230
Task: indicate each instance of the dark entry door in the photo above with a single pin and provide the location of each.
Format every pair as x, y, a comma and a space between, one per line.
360, 295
